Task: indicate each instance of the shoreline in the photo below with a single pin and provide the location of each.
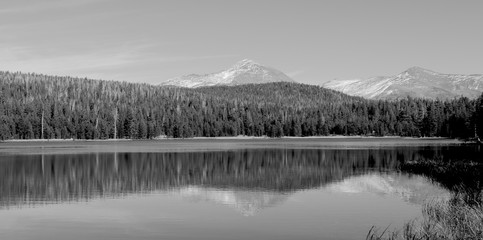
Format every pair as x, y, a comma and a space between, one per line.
240, 137
215, 144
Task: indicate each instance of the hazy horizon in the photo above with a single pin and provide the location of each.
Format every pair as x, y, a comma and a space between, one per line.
311, 41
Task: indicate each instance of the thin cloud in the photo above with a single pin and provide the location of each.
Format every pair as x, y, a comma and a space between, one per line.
105, 63
295, 73
39, 6
195, 58
63, 65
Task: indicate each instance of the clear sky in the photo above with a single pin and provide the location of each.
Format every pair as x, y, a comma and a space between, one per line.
311, 41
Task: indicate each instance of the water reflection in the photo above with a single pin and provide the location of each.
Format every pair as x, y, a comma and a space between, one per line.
248, 180
248, 203
459, 171
411, 188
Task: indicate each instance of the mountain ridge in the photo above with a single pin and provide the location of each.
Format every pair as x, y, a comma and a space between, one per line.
416, 82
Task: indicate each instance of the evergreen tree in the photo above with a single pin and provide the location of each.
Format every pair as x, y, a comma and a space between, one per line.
479, 117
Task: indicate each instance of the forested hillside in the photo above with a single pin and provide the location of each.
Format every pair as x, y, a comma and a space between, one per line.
34, 106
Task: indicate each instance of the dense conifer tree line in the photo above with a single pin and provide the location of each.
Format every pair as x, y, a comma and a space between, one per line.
34, 106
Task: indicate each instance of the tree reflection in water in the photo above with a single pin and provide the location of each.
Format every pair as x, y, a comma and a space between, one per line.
39, 179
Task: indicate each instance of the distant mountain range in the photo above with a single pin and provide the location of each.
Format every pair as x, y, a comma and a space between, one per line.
415, 82
243, 72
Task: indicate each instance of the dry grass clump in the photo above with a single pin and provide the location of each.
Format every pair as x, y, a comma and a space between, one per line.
453, 219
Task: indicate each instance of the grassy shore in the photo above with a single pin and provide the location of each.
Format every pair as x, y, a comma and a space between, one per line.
452, 219
460, 217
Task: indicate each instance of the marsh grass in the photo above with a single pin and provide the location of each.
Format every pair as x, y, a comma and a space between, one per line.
460, 217
442, 219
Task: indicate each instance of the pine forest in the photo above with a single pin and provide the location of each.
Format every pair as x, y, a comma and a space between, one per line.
34, 106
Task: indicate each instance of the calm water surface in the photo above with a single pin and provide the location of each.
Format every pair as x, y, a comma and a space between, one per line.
230, 194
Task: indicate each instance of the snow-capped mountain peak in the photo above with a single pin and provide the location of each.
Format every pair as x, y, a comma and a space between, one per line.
415, 82
243, 72
247, 63
418, 70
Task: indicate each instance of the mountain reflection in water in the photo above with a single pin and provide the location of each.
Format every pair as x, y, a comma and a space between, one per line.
248, 180
248, 203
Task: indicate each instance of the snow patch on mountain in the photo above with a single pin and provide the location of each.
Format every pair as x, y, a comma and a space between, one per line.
414, 82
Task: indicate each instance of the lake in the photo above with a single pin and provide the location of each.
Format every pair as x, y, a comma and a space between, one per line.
219, 189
